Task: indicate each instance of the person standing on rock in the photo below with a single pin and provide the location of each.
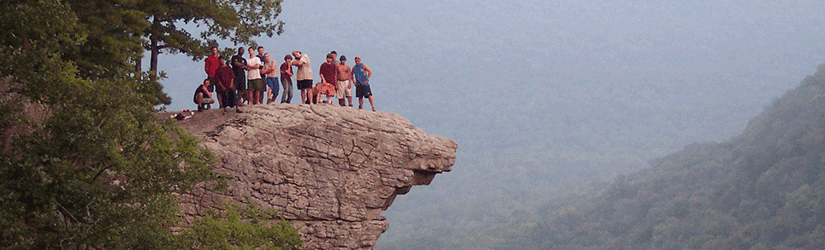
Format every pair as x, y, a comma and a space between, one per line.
286, 79
226, 79
210, 66
239, 68
253, 76
304, 75
334, 57
362, 73
329, 74
271, 72
344, 83
262, 56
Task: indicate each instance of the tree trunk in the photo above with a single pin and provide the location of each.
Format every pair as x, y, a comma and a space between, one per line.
138, 63
153, 60
153, 46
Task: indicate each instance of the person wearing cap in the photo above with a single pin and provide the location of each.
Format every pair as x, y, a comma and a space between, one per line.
361, 73
344, 83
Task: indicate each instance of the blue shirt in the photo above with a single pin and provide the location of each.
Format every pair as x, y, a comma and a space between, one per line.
360, 74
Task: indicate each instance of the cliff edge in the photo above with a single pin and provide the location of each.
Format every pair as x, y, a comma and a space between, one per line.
328, 170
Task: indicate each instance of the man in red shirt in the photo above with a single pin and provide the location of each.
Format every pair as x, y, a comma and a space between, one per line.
226, 90
210, 67
329, 77
286, 79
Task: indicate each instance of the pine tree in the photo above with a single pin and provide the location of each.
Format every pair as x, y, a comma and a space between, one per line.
85, 163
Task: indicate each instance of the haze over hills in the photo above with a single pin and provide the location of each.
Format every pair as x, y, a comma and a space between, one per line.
541, 94
762, 189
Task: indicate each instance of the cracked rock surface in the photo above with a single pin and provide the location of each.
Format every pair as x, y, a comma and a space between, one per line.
329, 170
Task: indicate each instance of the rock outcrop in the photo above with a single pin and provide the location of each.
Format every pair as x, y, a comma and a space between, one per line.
328, 170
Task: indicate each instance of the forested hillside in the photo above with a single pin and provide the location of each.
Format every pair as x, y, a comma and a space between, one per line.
763, 189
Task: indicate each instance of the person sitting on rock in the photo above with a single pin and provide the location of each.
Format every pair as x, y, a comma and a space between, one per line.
203, 97
323, 88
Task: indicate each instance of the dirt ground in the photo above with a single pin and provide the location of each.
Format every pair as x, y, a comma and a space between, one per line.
198, 122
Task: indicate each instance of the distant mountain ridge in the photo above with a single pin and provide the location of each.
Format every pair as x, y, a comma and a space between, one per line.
763, 189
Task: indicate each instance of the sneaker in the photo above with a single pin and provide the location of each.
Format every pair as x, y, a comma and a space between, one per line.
360, 106
208, 106
200, 108
373, 108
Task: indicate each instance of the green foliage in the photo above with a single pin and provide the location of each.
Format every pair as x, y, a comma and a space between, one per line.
238, 21
238, 227
85, 163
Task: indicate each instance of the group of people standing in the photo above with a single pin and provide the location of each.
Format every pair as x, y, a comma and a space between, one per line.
250, 79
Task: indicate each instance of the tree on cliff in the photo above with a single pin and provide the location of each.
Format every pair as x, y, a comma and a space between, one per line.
84, 162
238, 21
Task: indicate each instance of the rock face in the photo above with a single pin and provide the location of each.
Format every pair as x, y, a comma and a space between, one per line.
328, 170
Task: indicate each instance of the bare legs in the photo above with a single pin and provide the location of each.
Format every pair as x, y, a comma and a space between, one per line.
361, 102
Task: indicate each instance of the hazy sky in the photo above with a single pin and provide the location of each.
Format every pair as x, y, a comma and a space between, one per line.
690, 71
452, 66
641, 74
508, 50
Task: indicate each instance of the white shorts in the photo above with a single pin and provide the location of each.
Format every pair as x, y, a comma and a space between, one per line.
343, 90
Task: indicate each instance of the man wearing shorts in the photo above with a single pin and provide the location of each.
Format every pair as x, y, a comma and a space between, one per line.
238, 68
303, 76
261, 56
344, 82
253, 77
361, 73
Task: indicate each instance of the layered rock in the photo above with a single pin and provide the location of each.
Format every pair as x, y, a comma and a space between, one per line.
329, 170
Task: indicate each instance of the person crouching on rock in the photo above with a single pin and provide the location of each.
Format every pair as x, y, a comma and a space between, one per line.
203, 97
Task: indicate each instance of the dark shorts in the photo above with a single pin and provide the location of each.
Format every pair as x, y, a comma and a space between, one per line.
304, 84
240, 83
363, 91
257, 84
